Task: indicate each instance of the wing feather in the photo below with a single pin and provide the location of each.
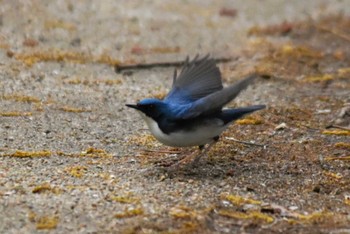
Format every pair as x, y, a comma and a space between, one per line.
215, 101
197, 79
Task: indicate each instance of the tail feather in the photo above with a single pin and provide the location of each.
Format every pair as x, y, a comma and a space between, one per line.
229, 115
216, 100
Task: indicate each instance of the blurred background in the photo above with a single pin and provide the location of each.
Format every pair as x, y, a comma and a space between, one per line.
73, 159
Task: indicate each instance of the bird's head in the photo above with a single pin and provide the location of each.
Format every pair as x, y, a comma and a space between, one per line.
151, 107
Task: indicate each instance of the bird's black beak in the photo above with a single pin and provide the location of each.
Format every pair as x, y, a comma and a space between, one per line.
132, 106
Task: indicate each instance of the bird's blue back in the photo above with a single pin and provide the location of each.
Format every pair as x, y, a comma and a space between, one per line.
197, 92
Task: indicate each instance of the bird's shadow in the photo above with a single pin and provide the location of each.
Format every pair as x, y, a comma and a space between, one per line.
202, 170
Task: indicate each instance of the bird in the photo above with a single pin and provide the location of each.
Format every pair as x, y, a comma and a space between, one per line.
192, 113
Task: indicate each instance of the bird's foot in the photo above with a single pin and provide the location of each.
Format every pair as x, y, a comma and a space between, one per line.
187, 162
169, 161
181, 161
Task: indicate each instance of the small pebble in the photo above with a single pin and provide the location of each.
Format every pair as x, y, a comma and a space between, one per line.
281, 126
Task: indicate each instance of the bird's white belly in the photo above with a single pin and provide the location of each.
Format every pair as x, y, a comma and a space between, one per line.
200, 136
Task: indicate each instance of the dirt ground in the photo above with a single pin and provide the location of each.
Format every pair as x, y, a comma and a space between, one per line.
74, 159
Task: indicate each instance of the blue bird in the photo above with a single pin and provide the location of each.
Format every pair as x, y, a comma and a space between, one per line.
192, 113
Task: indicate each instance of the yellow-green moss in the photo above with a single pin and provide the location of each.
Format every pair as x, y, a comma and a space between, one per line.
319, 78
342, 145
58, 55
130, 213
238, 200
21, 98
30, 154
337, 132
255, 215
182, 212
15, 114
76, 171
89, 152
127, 198
47, 222
46, 187
73, 109
249, 121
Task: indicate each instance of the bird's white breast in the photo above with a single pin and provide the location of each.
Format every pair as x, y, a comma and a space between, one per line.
199, 136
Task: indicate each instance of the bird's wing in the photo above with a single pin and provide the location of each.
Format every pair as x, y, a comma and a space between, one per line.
215, 101
197, 79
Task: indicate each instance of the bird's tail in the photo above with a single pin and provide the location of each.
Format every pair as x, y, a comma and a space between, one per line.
229, 115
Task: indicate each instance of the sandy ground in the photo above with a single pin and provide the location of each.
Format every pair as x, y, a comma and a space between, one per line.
74, 159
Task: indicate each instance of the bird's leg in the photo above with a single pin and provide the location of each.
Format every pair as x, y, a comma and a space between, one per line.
204, 150
192, 163
171, 160
188, 158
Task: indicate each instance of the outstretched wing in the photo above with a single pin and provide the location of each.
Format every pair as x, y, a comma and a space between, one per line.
197, 79
215, 101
